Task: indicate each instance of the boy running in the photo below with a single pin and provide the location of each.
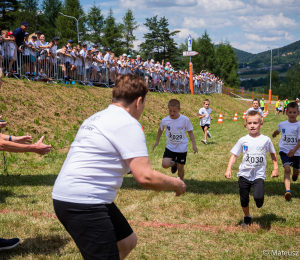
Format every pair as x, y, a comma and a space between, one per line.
204, 115
255, 104
254, 147
289, 146
176, 149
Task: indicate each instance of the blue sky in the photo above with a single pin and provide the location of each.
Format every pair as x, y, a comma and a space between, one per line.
249, 25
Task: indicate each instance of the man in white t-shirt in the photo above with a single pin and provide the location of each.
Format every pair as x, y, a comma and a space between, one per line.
176, 149
204, 115
289, 146
252, 170
255, 107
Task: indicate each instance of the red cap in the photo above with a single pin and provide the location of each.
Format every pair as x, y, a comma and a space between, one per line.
10, 33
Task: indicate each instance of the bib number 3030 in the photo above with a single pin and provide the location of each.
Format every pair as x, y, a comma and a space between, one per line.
254, 160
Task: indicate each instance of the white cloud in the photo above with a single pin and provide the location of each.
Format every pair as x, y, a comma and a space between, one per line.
184, 33
136, 44
289, 36
255, 37
193, 22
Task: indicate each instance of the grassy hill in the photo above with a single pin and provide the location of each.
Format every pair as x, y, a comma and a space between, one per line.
202, 224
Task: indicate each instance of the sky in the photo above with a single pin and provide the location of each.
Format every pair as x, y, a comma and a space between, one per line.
249, 25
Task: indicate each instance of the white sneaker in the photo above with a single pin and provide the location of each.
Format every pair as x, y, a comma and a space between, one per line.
203, 141
208, 134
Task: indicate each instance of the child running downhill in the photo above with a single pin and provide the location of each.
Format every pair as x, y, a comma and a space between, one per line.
255, 104
204, 115
289, 146
254, 147
176, 149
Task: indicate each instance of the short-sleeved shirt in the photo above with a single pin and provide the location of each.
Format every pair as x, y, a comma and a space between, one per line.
285, 103
277, 104
254, 151
262, 103
19, 36
205, 120
175, 132
253, 109
290, 134
96, 163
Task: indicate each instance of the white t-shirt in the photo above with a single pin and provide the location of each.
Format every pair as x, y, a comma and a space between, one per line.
205, 120
93, 170
107, 57
253, 109
290, 134
254, 151
175, 132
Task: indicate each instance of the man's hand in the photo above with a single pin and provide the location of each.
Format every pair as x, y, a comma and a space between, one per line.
26, 139
20, 50
195, 149
42, 148
275, 173
156, 144
228, 174
181, 187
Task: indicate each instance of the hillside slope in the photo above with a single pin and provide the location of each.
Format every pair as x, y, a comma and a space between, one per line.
57, 111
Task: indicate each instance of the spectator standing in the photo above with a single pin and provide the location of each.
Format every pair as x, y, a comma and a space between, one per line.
19, 34
285, 103
262, 104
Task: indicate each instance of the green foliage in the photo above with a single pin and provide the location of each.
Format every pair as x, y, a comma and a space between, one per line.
291, 88
95, 25
8, 9
275, 83
129, 25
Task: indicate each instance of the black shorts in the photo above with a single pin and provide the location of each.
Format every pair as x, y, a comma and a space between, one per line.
203, 126
181, 157
293, 161
258, 191
95, 228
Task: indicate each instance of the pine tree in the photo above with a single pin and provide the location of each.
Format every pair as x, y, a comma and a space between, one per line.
291, 88
48, 19
129, 25
113, 34
67, 27
8, 10
276, 84
95, 26
206, 52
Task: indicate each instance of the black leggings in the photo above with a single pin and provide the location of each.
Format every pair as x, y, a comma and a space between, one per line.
258, 191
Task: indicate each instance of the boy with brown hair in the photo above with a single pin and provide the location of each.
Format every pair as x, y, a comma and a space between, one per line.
204, 115
289, 146
252, 170
176, 149
255, 107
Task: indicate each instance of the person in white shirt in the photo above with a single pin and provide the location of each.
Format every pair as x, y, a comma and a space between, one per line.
204, 115
176, 149
252, 170
289, 146
122, 65
255, 104
107, 146
83, 54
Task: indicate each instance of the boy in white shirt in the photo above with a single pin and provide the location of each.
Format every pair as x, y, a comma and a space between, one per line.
289, 146
255, 104
254, 147
204, 115
176, 149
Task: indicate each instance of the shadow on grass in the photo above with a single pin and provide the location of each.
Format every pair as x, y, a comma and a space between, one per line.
41, 245
28, 180
266, 220
272, 188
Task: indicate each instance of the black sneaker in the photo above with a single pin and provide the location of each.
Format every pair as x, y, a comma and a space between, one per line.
294, 177
8, 243
174, 168
247, 222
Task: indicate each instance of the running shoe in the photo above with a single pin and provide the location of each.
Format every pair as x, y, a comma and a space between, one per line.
208, 134
203, 141
174, 167
8, 243
288, 195
247, 221
294, 177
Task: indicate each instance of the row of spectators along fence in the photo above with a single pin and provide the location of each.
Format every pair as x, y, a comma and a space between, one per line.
65, 66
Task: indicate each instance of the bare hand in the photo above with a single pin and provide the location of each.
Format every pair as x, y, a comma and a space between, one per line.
42, 148
228, 174
291, 153
181, 187
26, 139
156, 144
2, 124
275, 173
195, 149
274, 134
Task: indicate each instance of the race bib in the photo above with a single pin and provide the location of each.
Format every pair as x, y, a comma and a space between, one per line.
289, 140
254, 160
174, 137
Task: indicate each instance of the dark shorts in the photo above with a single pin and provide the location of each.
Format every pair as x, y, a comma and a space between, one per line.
277, 109
258, 191
95, 228
181, 157
262, 108
293, 161
203, 126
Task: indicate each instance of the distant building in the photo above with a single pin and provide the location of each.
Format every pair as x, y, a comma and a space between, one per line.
283, 55
290, 53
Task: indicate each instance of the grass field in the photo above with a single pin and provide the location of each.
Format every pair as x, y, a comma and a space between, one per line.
202, 224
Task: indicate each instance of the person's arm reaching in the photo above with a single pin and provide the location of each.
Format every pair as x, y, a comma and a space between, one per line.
276, 132
159, 133
26, 139
230, 164
294, 150
275, 164
149, 179
192, 137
